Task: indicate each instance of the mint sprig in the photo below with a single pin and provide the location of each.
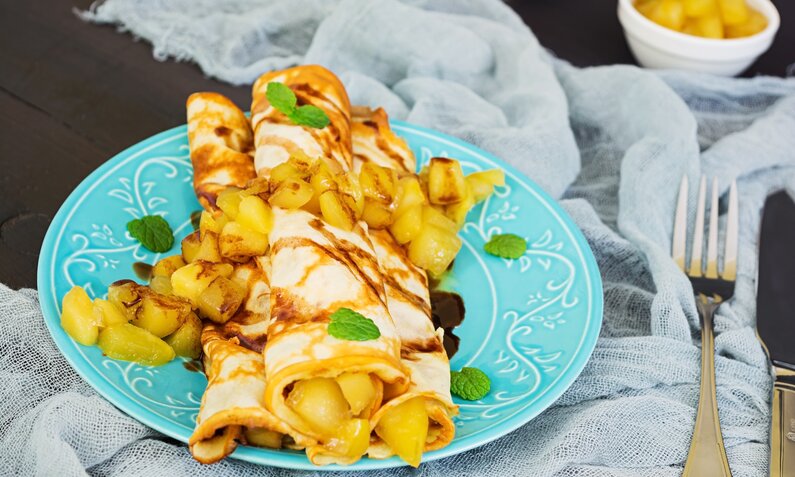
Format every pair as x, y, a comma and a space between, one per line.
470, 384
153, 232
281, 97
506, 246
347, 324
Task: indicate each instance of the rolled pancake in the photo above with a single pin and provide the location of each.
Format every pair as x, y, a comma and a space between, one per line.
233, 400
277, 137
235, 395
408, 298
221, 142
374, 141
421, 349
316, 270
250, 323
221, 146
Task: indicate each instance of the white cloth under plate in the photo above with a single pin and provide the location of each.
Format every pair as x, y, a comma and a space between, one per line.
610, 142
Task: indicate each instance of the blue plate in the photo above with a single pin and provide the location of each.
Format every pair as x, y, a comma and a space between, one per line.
531, 323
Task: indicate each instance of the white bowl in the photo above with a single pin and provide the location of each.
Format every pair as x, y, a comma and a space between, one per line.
655, 46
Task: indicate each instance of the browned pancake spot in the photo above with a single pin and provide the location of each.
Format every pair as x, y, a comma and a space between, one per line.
222, 131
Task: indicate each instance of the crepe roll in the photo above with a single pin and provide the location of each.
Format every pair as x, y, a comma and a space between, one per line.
221, 146
249, 325
277, 137
422, 353
233, 405
323, 386
420, 419
374, 141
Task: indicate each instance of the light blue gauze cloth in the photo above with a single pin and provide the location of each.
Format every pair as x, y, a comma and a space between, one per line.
611, 143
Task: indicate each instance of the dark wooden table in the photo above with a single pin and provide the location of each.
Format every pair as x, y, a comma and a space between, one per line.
73, 94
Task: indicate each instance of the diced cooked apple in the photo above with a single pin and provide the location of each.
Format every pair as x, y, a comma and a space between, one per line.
283, 172
229, 201
261, 437
190, 280
376, 214
124, 295
260, 187
351, 193
482, 183
220, 300
434, 249
161, 285
255, 214
238, 242
166, 266
733, 12
408, 225
352, 439
208, 248
359, 391
404, 428
303, 163
291, 194
446, 184
423, 178
433, 216
322, 181
697, 8
335, 211
77, 317
297, 166
409, 194
755, 23
144, 307
130, 343
458, 212
356, 208
186, 341
313, 205
378, 183
210, 223
668, 13
707, 26
190, 246
321, 404
159, 314
107, 314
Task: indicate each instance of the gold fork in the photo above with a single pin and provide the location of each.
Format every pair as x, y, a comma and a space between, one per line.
707, 455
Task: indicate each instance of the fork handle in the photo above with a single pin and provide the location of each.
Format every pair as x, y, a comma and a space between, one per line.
707, 455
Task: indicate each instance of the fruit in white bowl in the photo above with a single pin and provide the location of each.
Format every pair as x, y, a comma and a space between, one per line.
711, 36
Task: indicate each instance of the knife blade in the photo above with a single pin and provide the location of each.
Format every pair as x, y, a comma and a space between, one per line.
775, 324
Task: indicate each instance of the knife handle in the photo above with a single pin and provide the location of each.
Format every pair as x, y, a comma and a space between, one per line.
782, 433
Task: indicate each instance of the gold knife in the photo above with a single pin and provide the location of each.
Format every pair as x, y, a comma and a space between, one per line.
775, 326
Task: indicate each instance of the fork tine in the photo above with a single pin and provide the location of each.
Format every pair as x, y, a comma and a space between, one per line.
698, 231
712, 240
732, 231
680, 226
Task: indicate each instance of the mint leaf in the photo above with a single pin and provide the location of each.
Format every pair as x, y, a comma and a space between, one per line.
153, 232
506, 246
281, 97
347, 324
470, 384
309, 115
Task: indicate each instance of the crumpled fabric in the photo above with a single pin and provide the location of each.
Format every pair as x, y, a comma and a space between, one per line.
610, 143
